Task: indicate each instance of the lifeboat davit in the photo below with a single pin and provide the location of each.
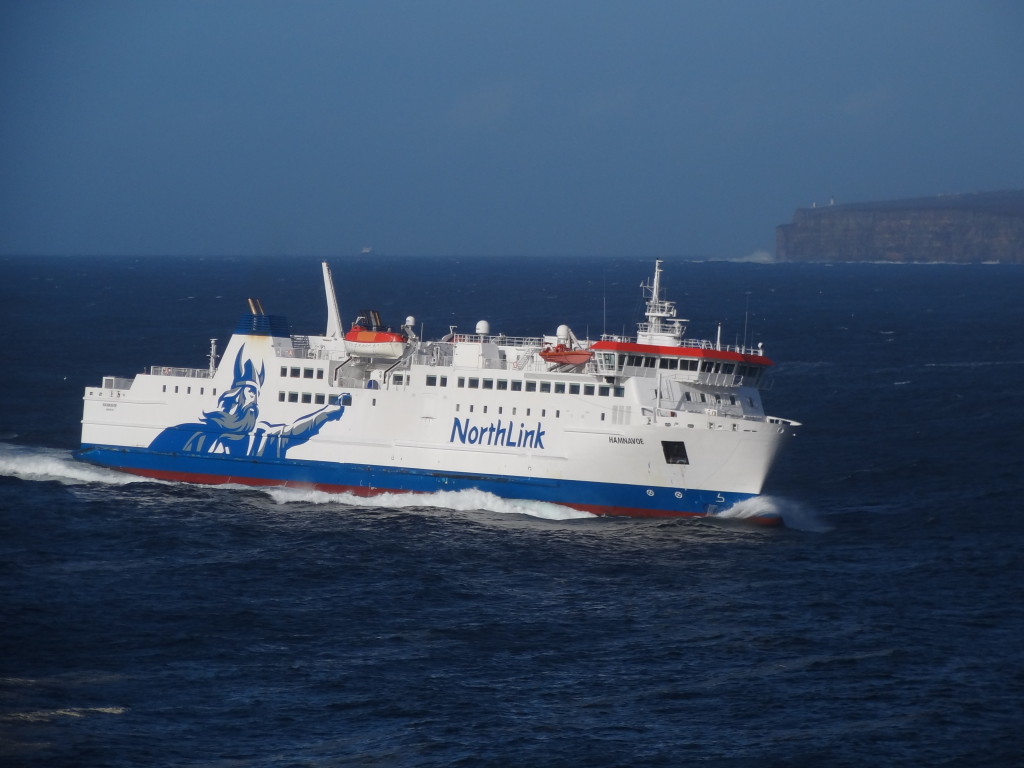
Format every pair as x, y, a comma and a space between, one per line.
562, 355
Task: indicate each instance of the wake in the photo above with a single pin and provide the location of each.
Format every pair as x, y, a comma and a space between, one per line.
51, 464
461, 501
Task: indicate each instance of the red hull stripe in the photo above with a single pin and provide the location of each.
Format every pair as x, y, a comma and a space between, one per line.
652, 349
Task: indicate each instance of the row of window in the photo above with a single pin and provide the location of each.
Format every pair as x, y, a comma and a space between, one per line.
188, 390
319, 398
688, 364
302, 373
517, 385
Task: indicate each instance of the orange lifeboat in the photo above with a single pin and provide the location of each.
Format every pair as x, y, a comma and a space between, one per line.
372, 341
562, 355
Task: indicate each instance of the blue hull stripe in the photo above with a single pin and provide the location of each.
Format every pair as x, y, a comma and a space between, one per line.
365, 479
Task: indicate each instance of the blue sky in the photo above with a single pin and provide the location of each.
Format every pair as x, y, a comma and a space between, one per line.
571, 127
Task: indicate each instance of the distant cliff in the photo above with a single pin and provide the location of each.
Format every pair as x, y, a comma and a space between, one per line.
953, 228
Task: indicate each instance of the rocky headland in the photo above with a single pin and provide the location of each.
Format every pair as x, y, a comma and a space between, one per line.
963, 229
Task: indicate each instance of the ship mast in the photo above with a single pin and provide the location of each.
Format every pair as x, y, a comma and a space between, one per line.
659, 328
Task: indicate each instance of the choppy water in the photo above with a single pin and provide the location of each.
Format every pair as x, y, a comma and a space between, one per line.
148, 623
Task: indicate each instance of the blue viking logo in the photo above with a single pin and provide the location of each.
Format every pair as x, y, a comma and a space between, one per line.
234, 427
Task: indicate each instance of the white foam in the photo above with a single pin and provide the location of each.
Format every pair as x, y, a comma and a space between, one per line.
43, 464
794, 515
468, 501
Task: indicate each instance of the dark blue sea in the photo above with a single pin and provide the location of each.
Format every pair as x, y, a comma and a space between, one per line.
157, 624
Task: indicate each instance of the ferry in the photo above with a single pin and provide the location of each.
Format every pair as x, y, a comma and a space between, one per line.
655, 425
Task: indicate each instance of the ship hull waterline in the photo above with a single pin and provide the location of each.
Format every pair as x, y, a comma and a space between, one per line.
367, 481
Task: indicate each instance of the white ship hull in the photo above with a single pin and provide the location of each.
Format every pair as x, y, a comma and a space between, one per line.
626, 434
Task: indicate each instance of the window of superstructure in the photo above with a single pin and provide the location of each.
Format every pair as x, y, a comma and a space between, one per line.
620, 392
502, 384
545, 386
431, 381
574, 389
280, 397
293, 397
462, 381
687, 397
319, 373
728, 367
703, 397
295, 373
559, 387
307, 397
444, 381
650, 362
675, 452
488, 384
165, 387
188, 390
588, 389
543, 412
175, 389
307, 373
517, 386
284, 371
319, 399
732, 399
603, 391
558, 414
527, 411
399, 378
635, 360
531, 386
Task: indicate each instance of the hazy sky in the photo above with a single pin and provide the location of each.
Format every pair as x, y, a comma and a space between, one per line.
647, 128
